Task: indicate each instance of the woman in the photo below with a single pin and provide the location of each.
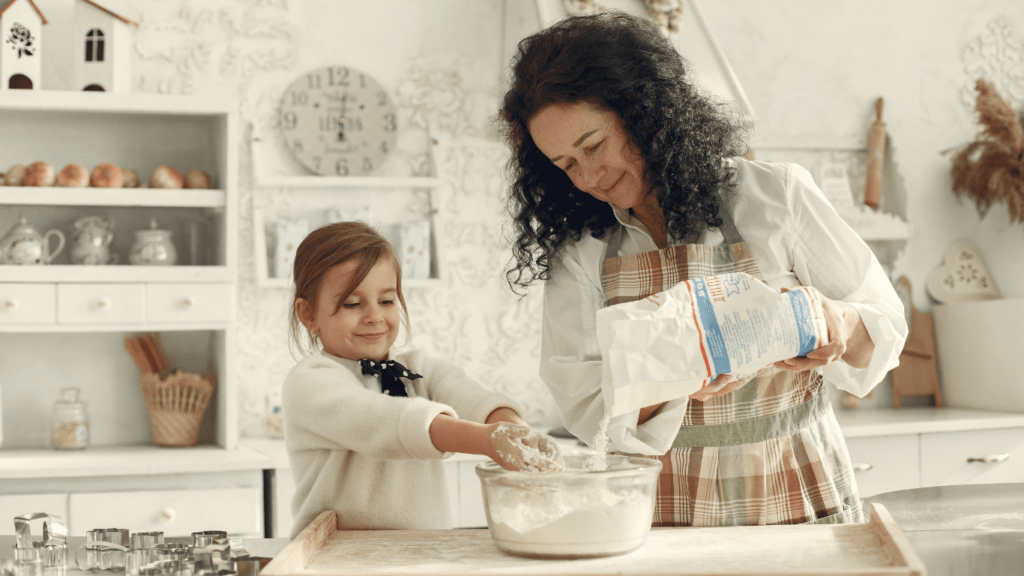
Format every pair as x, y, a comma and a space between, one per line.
625, 180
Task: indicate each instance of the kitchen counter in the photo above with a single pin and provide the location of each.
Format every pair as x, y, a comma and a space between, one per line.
865, 423
145, 460
968, 530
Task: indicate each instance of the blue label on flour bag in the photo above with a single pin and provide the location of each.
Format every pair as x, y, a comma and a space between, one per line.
712, 331
804, 321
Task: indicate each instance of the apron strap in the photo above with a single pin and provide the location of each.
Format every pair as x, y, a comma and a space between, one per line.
728, 229
759, 429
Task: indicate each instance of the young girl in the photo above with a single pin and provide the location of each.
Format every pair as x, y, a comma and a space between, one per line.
366, 428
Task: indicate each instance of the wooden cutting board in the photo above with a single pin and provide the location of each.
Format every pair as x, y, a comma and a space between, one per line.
876, 548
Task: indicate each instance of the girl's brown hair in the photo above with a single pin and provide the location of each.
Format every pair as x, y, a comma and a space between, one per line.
325, 248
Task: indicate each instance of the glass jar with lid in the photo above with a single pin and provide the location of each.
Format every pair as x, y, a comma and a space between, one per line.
70, 421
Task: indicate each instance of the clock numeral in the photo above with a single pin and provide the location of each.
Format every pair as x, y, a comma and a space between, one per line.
384, 146
289, 120
316, 163
390, 122
341, 167
382, 98
331, 123
337, 76
367, 165
297, 146
300, 98
314, 80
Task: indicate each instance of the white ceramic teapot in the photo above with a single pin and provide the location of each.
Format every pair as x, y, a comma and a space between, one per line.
24, 246
91, 243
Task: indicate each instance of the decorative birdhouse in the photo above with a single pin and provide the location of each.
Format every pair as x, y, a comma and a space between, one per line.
21, 26
102, 49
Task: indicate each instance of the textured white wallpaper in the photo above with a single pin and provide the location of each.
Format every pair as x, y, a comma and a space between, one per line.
811, 70
440, 60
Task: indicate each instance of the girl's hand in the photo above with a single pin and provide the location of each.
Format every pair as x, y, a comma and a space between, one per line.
515, 447
848, 339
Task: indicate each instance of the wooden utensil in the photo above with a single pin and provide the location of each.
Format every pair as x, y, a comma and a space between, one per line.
918, 372
876, 158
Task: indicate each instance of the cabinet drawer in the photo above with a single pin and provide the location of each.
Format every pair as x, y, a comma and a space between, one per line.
945, 457
885, 463
19, 504
238, 511
99, 303
189, 302
28, 303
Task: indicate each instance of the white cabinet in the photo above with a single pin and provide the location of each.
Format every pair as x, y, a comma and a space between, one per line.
193, 298
26, 304
173, 512
19, 504
178, 492
972, 457
885, 463
64, 325
917, 447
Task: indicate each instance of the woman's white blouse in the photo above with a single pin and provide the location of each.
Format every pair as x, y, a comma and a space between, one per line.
796, 237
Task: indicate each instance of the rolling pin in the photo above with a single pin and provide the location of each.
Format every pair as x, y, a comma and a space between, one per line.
876, 158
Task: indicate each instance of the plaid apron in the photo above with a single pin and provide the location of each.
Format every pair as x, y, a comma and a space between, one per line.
770, 451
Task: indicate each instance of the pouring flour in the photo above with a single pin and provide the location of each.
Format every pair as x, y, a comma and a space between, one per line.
673, 343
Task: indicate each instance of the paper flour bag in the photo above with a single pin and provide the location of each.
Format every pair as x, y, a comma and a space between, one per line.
673, 343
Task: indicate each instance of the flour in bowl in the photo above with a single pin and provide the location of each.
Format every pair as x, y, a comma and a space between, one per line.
538, 521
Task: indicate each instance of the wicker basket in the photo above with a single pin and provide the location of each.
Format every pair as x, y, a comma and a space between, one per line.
176, 406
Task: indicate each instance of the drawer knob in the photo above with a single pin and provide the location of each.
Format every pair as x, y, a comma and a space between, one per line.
990, 459
862, 466
11, 303
167, 515
104, 303
188, 302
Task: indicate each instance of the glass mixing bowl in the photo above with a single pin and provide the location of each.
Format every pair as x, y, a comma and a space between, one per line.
575, 513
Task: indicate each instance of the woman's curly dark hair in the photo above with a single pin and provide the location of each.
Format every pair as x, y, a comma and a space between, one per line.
624, 64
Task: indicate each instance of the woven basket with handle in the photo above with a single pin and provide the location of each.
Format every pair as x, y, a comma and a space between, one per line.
176, 406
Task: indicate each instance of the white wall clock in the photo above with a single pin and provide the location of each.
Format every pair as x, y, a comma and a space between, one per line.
338, 121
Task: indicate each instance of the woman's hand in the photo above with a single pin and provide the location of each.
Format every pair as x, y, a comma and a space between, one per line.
515, 447
720, 386
848, 339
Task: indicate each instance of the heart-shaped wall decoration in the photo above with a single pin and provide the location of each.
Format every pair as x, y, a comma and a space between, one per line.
963, 276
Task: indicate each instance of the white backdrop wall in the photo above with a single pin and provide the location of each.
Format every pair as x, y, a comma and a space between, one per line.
811, 70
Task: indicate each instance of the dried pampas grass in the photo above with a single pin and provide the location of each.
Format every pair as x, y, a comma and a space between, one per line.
991, 169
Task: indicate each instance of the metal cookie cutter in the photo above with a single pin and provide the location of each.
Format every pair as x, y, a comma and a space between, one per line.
140, 550
105, 548
53, 550
207, 537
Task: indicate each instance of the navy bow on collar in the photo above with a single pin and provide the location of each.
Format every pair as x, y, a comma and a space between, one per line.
390, 372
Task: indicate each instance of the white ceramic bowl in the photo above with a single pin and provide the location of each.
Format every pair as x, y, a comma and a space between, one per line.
571, 514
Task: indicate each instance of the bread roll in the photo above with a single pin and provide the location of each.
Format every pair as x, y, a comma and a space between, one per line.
131, 179
106, 175
40, 174
197, 179
15, 175
73, 176
166, 177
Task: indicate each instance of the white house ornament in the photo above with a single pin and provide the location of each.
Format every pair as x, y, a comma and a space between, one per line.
338, 121
102, 52
963, 276
21, 26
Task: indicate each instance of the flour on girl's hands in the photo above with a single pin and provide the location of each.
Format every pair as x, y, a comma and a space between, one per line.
525, 450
